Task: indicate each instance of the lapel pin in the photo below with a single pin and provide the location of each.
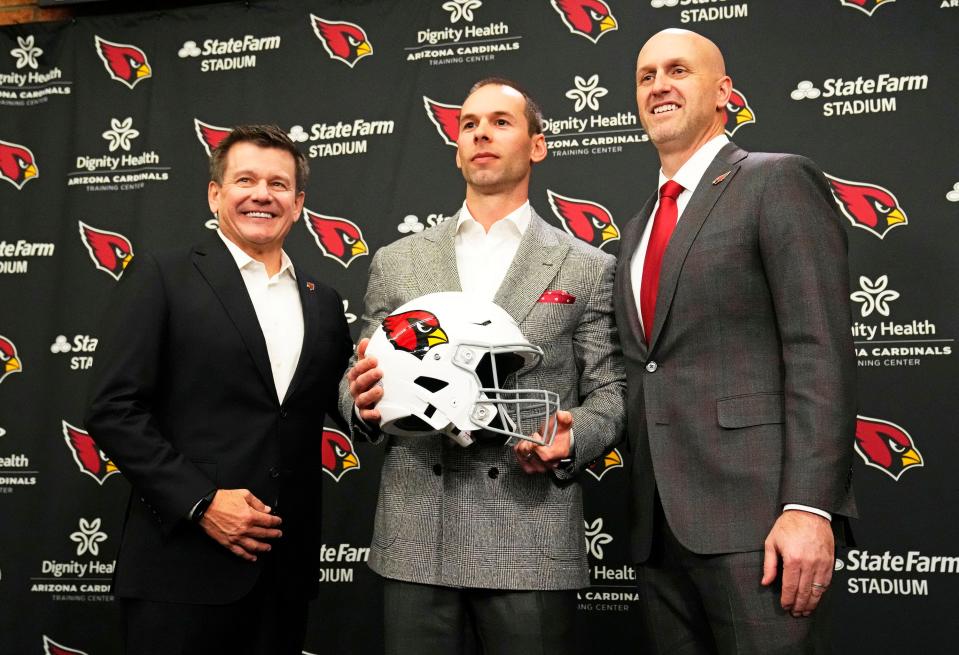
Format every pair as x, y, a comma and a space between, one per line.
310, 286
721, 178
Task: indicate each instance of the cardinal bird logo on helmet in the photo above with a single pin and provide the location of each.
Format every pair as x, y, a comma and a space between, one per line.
738, 112
209, 135
868, 206
111, 252
338, 238
584, 219
886, 446
446, 118
338, 455
124, 62
867, 7
50, 647
17, 164
9, 362
589, 18
415, 331
603, 465
346, 42
88, 457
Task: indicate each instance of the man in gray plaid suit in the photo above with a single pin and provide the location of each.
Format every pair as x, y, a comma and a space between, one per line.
487, 542
732, 299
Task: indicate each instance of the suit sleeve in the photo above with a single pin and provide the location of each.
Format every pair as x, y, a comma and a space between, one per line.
343, 359
125, 392
803, 249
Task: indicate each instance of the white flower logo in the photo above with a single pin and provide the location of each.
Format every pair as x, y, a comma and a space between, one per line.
27, 53
60, 345
805, 89
595, 538
88, 537
350, 317
953, 196
410, 224
120, 133
587, 93
297, 134
461, 9
875, 297
189, 49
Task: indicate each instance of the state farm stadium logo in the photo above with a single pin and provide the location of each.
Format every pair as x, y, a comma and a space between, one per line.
121, 166
590, 19
867, 7
584, 219
881, 341
229, 53
339, 239
83, 574
338, 455
343, 41
893, 574
338, 562
885, 446
607, 591
868, 206
411, 223
50, 647
471, 36
843, 96
27, 81
88, 457
80, 348
15, 256
693, 11
738, 112
17, 164
587, 130
124, 62
340, 138
111, 252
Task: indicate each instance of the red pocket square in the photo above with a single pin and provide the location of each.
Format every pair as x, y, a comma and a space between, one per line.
557, 296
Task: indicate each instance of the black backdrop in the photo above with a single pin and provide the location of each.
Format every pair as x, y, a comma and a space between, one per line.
866, 88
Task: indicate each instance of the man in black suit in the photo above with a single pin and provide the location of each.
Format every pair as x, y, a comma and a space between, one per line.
218, 365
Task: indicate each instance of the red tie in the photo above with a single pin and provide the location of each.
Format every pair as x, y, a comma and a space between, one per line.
663, 224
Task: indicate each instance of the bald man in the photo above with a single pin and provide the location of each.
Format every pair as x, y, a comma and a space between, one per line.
733, 309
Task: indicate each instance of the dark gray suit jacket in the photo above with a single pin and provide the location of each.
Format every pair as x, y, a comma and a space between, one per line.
745, 398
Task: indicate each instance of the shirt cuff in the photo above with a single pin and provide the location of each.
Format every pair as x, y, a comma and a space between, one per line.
806, 508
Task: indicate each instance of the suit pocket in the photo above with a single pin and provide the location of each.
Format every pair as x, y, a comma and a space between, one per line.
751, 409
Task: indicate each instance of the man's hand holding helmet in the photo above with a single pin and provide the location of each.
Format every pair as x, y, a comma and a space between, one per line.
364, 380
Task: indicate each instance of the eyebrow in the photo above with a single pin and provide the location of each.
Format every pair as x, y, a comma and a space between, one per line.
500, 112
669, 63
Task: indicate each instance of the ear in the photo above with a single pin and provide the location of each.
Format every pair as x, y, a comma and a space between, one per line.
459, 162
298, 205
724, 90
213, 196
538, 150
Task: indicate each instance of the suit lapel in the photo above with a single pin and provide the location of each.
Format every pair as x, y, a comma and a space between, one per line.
631, 239
311, 321
725, 165
218, 267
536, 262
437, 270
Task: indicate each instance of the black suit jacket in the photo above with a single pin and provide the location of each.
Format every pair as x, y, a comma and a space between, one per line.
183, 402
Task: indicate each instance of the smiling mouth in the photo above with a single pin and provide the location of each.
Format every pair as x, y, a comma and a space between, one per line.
662, 109
258, 215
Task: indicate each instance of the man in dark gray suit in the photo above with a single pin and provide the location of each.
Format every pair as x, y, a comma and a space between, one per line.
732, 305
489, 540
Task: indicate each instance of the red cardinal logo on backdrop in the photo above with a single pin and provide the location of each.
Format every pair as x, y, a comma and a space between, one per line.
603, 465
110, 251
344, 41
88, 457
738, 113
17, 164
338, 238
209, 135
868, 206
415, 331
589, 18
50, 647
338, 455
585, 220
446, 118
865, 6
886, 446
9, 362
124, 62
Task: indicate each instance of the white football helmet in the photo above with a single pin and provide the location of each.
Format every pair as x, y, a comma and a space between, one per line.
451, 365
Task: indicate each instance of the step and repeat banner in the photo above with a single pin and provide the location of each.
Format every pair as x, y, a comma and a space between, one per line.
105, 128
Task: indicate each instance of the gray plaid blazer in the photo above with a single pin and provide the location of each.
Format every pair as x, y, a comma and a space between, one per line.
470, 517
744, 399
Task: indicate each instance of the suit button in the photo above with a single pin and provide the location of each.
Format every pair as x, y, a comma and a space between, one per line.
274, 472
493, 473
651, 367
437, 469
284, 413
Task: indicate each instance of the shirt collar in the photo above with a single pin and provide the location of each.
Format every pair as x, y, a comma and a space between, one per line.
690, 174
519, 218
242, 259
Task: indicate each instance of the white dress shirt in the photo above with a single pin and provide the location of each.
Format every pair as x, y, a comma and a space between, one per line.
689, 177
482, 258
276, 301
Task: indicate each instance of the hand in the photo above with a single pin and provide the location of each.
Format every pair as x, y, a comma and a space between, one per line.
541, 459
805, 542
363, 378
239, 521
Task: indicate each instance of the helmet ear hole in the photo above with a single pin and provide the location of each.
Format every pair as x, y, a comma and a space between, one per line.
413, 424
431, 384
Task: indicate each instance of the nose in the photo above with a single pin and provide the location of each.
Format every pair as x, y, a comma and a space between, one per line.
482, 131
661, 83
261, 191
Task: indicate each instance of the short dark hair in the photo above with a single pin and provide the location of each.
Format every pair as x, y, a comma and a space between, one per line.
532, 111
265, 136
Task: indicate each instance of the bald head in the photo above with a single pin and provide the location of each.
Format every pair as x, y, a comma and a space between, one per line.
679, 39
